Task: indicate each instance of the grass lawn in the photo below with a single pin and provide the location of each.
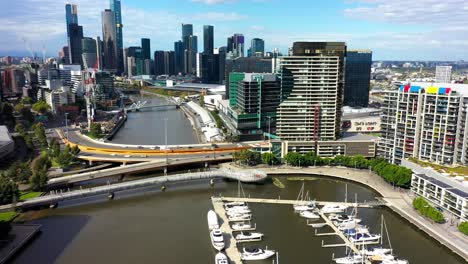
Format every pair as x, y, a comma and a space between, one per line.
7, 216
458, 170
29, 195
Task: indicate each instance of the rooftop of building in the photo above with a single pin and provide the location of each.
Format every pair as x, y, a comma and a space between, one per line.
459, 88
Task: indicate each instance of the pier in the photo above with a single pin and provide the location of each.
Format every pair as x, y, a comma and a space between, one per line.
371, 204
231, 249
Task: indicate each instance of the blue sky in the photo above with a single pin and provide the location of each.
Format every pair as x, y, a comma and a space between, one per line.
393, 29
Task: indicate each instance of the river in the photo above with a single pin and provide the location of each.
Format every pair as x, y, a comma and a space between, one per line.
147, 126
170, 227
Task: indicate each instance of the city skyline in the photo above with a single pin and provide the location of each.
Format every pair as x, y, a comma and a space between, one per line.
394, 35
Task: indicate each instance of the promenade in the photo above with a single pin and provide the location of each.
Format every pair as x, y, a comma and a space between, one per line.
399, 200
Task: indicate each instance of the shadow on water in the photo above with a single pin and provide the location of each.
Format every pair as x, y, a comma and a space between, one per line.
56, 234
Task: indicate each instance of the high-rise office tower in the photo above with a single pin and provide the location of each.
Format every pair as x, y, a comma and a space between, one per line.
179, 56
71, 16
99, 52
74, 43
222, 51
116, 8
89, 52
443, 74
358, 71
159, 62
312, 84
208, 39
190, 55
109, 38
146, 48
257, 48
64, 55
238, 45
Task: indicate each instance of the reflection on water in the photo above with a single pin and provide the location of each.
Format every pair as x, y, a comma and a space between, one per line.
170, 227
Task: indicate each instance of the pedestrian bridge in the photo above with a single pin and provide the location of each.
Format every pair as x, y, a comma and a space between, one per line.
247, 176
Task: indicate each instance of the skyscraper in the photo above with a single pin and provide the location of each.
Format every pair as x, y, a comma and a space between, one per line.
208, 39
312, 83
74, 43
109, 38
99, 52
190, 49
159, 62
146, 48
443, 74
89, 54
71, 16
117, 10
236, 46
179, 56
358, 71
257, 47
64, 55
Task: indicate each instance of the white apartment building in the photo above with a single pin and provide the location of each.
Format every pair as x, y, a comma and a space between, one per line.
443, 74
426, 121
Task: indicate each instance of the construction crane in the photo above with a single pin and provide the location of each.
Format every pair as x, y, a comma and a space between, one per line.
90, 92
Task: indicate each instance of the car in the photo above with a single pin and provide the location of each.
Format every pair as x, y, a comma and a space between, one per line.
214, 145
140, 147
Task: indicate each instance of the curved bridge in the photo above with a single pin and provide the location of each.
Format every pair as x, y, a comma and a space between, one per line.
248, 176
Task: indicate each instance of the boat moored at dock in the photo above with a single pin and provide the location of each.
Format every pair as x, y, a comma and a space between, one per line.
220, 258
257, 254
212, 220
217, 239
249, 236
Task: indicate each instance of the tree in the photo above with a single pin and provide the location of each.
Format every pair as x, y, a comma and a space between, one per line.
8, 191
202, 100
41, 107
463, 227
95, 130
18, 172
39, 132
39, 168
26, 100
54, 148
19, 128
269, 158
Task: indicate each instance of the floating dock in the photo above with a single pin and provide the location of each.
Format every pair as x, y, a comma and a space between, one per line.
371, 204
231, 249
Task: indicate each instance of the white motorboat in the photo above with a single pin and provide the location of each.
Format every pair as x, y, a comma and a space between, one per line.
243, 227
237, 207
240, 211
317, 225
343, 218
239, 217
376, 251
304, 207
212, 220
246, 236
352, 259
364, 238
333, 208
217, 239
232, 204
256, 254
220, 258
395, 261
351, 224
309, 215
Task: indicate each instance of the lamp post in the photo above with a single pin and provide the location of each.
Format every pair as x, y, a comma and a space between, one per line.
66, 123
165, 136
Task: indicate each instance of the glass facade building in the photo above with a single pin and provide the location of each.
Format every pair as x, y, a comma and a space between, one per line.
146, 48
89, 54
74, 43
208, 39
116, 8
71, 16
109, 38
358, 71
257, 47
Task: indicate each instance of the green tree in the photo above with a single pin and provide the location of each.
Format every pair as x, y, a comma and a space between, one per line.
54, 148
427, 210
26, 100
39, 132
202, 100
41, 107
463, 227
269, 158
95, 130
19, 128
8, 191
18, 172
39, 168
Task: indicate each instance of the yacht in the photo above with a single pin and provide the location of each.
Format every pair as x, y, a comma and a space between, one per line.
304, 207
217, 239
239, 217
309, 215
236, 207
355, 230
212, 220
245, 236
333, 208
243, 227
343, 218
376, 251
220, 258
364, 238
256, 254
351, 259
351, 224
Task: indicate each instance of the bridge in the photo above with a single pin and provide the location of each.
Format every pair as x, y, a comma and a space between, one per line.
143, 105
247, 176
130, 169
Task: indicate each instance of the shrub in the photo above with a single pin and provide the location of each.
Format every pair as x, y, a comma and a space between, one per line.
427, 210
463, 227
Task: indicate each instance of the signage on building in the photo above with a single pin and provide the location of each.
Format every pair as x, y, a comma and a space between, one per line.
363, 125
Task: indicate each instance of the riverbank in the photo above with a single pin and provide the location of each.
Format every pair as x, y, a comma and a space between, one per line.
399, 200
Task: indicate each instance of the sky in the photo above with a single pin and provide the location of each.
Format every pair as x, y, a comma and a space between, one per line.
392, 29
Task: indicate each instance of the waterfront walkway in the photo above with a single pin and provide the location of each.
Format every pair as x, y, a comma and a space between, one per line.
399, 200
231, 247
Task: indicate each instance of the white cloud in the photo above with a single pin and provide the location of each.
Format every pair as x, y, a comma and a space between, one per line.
213, 2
